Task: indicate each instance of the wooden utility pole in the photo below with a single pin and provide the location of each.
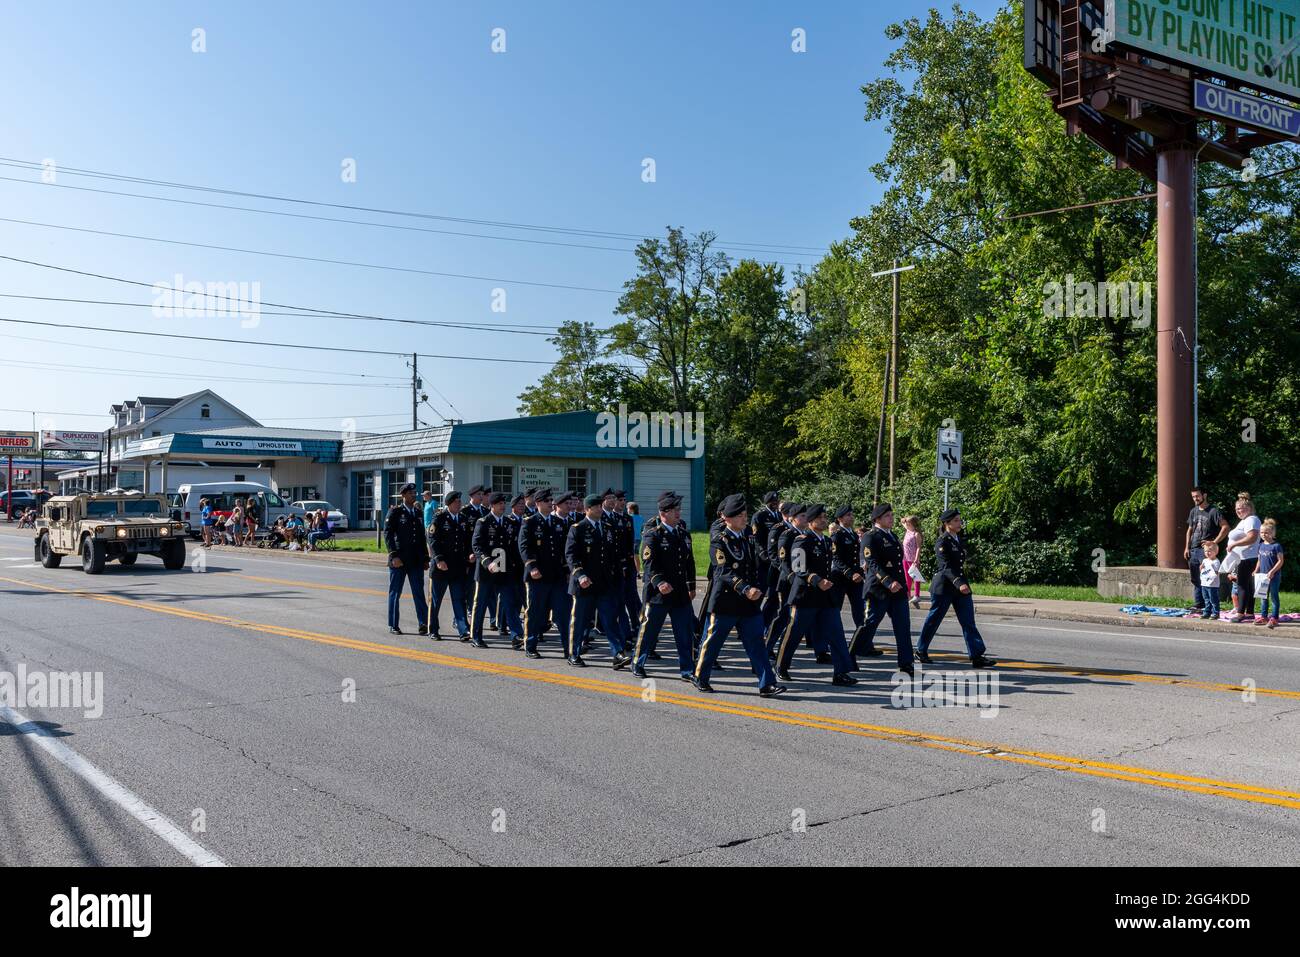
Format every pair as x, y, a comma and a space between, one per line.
891, 375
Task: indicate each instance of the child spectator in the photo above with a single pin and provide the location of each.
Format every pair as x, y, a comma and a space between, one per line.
1209, 586
911, 551
207, 521
1271, 559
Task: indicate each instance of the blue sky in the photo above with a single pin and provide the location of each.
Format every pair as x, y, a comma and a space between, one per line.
750, 140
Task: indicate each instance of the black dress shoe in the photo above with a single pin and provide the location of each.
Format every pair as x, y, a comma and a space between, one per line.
422, 630
639, 673
478, 642
907, 670
621, 661
771, 691
844, 679
687, 677
576, 661
702, 685
924, 658
824, 658
983, 661
532, 654
872, 652
655, 656
783, 674
394, 631
516, 643
435, 637
464, 637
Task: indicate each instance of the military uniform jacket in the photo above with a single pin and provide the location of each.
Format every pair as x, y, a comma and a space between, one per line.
493, 541
404, 535
514, 560
950, 549
761, 527
882, 554
541, 545
667, 556
594, 553
846, 558
451, 541
785, 542
734, 566
810, 564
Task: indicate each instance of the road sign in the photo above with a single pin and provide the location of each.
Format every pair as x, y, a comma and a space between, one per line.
1247, 110
1244, 41
947, 463
11, 442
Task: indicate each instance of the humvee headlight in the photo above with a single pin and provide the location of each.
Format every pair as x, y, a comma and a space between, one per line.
164, 531
121, 533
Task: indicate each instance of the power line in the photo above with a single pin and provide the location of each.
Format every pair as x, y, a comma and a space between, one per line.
184, 376
310, 259
117, 177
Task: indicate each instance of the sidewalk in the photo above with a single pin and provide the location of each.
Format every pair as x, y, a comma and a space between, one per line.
986, 606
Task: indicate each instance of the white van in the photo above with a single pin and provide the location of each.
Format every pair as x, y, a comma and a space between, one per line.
221, 495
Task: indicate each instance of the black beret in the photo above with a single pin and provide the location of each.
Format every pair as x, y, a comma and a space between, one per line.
593, 500
771, 498
787, 508
496, 497
621, 493
814, 511
843, 510
796, 510
451, 497
408, 487
669, 500
475, 490
884, 508
529, 492
517, 500
542, 495
566, 497
948, 515
608, 493
733, 505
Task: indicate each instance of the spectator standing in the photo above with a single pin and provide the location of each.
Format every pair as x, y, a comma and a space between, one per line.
251, 519
1209, 583
1205, 523
912, 542
1271, 558
206, 521
638, 520
430, 508
1243, 541
235, 523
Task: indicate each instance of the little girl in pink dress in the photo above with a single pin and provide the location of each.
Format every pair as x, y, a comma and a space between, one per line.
911, 550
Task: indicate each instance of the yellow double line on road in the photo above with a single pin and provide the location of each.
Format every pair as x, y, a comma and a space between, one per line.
1068, 670
1058, 762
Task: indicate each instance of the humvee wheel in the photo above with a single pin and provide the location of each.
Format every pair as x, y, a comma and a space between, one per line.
49, 558
173, 556
128, 559
92, 556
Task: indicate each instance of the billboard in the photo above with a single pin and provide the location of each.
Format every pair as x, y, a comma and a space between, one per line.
71, 441
11, 442
1245, 40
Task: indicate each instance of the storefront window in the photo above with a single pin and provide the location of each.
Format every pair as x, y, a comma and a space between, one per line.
503, 479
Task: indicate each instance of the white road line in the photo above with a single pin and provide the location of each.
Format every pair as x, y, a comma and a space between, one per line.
1136, 634
118, 793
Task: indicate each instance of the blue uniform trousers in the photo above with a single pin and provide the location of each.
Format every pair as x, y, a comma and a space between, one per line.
586, 608
459, 617
750, 629
895, 606
409, 572
488, 593
825, 632
964, 606
652, 622
546, 602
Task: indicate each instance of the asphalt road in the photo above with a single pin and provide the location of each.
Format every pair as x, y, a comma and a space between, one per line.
227, 736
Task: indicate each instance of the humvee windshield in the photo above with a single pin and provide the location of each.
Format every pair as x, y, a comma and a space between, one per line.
126, 509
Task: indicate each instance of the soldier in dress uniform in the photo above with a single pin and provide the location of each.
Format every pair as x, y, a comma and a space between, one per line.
493, 545
518, 512
475, 510
798, 524
814, 601
734, 600
408, 559
846, 564
541, 544
760, 527
530, 503
717, 526
669, 563
882, 555
451, 542
594, 583
950, 587
631, 571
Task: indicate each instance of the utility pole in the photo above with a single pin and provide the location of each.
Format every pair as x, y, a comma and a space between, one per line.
880, 432
891, 385
415, 392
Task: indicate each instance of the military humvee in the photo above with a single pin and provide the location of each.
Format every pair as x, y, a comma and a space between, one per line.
107, 526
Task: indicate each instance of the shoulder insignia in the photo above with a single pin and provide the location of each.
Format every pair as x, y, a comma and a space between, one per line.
866, 551
646, 553
721, 556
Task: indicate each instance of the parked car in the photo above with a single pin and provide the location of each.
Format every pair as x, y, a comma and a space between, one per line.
185, 503
338, 521
24, 499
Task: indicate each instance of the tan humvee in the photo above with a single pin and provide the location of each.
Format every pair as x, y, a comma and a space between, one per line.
108, 526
